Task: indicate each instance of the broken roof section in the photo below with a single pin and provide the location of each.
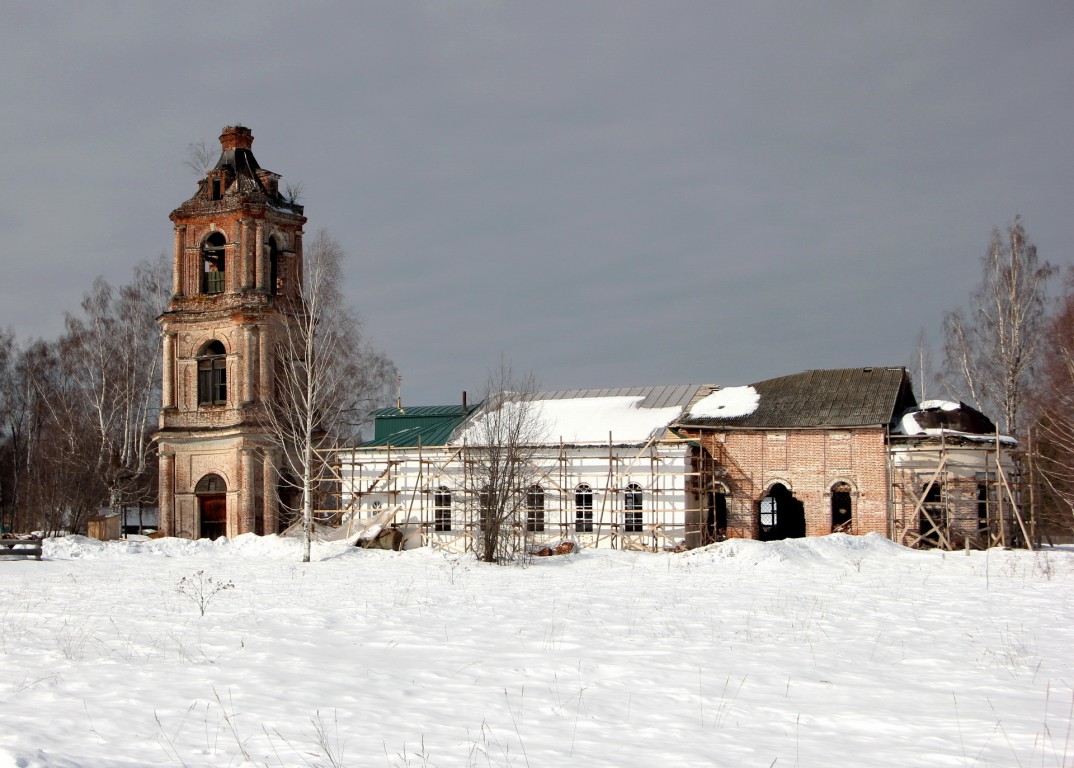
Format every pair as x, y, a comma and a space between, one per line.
934, 418
237, 173
842, 397
622, 416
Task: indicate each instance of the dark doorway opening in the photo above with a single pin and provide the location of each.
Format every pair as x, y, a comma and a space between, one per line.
213, 516
782, 515
930, 531
211, 491
842, 512
715, 517
289, 498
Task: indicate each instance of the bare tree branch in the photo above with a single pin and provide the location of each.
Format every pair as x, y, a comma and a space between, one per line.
293, 190
201, 157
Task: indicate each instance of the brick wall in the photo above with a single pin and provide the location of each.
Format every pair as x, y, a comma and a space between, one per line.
808, 463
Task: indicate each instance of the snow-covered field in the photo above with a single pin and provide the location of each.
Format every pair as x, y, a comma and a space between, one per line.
826, 652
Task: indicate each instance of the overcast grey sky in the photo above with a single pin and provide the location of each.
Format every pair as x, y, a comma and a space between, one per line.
609, 193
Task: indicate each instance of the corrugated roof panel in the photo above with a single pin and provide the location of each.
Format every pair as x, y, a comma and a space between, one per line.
652, 397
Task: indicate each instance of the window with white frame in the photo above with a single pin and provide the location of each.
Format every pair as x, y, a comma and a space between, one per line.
632, 500
441, 509
769, 512
583, 508
535, 509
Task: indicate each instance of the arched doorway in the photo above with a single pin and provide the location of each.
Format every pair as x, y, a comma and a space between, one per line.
842, 511
782, 515
212, 506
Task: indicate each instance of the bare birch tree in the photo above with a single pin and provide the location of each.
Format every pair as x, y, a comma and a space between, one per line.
112, 350
990, 349
327, 376
501, 448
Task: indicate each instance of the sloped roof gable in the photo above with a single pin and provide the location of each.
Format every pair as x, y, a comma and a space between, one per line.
842, 397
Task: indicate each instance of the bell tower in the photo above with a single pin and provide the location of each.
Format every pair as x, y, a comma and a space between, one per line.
237, 274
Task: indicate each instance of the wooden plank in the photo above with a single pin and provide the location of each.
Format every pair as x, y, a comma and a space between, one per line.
919, 505
20, 549
1014, 504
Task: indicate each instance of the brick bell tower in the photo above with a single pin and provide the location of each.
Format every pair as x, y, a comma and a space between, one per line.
237, 273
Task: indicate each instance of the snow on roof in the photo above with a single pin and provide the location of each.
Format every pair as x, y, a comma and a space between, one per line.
727, 403
592, 420
841, 397
587, 420
943, 405
935, 418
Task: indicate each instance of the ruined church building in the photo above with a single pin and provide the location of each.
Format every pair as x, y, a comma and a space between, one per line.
848, 450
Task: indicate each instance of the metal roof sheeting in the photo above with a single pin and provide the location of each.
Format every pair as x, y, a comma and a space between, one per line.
678, 396
416, 425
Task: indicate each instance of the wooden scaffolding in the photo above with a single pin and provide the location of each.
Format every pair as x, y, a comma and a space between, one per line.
640, 497
956, 492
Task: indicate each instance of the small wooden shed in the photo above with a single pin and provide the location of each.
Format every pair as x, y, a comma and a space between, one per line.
105, 527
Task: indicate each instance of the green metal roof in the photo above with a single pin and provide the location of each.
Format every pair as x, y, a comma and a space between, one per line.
426, 410
416, 425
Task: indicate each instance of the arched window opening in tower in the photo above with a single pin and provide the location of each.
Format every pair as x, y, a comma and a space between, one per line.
212, 252
212, 374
